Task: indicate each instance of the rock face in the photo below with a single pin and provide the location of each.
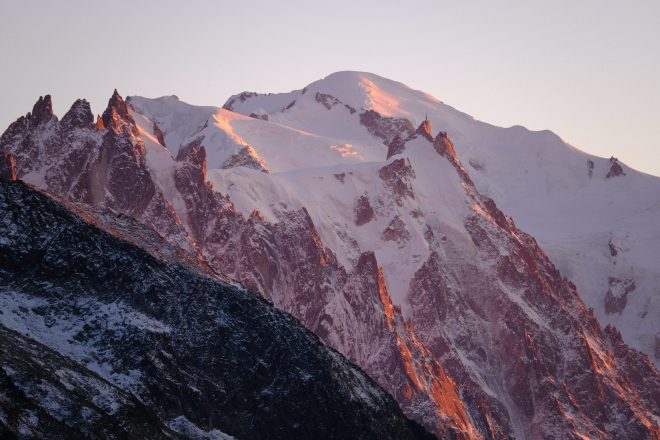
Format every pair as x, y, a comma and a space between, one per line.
617, 294
74, 159
364, 213
7, 171
407, 270
386, 128
246, 157
155, 343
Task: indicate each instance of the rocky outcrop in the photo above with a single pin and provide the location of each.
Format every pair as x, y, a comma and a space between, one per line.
79, 116
42, 112
443, 145
398, 176
616, 297
7, 171
364, 213
386, 128
615, 168
246, 157
396, 231
424, 130
211, 216
328, 101
263, 117
28, 137
396, 146
242, 97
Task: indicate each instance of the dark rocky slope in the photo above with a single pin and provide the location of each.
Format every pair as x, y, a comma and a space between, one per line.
184, 343
48, 396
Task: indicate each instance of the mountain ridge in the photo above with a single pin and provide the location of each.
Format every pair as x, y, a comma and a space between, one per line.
392, 262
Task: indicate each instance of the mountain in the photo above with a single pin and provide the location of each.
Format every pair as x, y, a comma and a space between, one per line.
596, 218
341, 206
101, 338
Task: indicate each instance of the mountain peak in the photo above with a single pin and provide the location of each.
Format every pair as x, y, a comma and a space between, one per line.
79, 115
43, 109
425, 130
116, 109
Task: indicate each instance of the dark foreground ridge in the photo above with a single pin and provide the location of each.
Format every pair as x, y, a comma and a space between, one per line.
141, 347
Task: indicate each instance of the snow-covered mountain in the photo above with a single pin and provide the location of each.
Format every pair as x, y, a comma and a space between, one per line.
597, 219
344, 206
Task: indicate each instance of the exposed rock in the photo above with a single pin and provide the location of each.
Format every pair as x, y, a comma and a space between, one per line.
24, 139
79, 116
328, 101
84, 162
612, 248
116, 116
242, 97
364, 213
425, 130
246, 157
590, 168
396, 231
386, 128
263, 117
616, 297
7, 171
206, 209
42, 111
289, 105
340, 177
444, 146
397, 176
636, 369
396, 146
160, 136
615, 168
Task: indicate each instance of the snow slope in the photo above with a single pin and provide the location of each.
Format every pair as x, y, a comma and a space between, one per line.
281, 147
329, 196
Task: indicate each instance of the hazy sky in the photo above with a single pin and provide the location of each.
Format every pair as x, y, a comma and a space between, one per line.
588, 70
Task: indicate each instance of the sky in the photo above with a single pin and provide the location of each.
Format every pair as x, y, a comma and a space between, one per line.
587, 70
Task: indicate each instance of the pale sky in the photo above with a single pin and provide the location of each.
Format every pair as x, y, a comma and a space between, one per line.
587, 70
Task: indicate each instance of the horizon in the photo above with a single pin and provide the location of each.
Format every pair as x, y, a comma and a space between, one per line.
549, 67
